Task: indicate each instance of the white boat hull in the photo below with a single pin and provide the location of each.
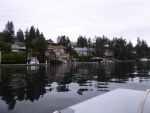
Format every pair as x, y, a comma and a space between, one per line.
116, 101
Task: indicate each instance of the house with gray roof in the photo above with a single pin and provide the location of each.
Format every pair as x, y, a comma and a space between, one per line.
18, 47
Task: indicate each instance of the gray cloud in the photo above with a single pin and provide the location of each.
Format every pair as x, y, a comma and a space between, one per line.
129, 19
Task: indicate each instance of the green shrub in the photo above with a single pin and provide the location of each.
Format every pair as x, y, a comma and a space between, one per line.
13, 58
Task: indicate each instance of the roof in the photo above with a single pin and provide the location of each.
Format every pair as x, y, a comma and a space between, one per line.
20, 44
56, 47
50, 41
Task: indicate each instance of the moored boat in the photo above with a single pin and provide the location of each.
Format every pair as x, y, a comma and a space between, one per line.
144, 59
34, 60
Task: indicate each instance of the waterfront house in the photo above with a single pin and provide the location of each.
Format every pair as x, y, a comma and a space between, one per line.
18, 47
57, 52
85, 51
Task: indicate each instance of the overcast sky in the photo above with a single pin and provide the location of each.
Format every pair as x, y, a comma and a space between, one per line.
112, 18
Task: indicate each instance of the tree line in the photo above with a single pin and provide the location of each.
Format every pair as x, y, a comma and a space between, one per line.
35, 41
122, 49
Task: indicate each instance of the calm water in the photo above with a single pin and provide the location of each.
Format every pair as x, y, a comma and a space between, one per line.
46, 89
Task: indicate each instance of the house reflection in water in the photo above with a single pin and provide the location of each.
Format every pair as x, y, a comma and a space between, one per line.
71, 77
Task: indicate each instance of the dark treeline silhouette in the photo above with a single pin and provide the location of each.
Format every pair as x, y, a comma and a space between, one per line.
35, 41
122, 49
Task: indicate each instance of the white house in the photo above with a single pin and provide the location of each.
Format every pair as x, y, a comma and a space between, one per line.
85, 51
18, 47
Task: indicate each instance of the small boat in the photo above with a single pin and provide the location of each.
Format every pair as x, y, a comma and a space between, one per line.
34, 60
144, 59
116, 101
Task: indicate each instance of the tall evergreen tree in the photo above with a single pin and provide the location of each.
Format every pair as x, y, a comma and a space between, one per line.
82, 41
31, 35
131, 55
20, 35
9, 32
63, 40
130, 46
141, 48
100, 44
120, 48
27, 40
39, 47
37, 32
26, 34
89, 42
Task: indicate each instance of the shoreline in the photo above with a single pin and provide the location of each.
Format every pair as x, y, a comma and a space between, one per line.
6, 65
44, 64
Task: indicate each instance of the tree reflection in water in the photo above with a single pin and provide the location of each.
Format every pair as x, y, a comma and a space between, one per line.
20, 85
26, 83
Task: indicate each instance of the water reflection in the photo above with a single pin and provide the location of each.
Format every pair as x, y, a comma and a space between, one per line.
32, 82
17, 85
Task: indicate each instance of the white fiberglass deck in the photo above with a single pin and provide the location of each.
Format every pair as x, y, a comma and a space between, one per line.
116, 101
